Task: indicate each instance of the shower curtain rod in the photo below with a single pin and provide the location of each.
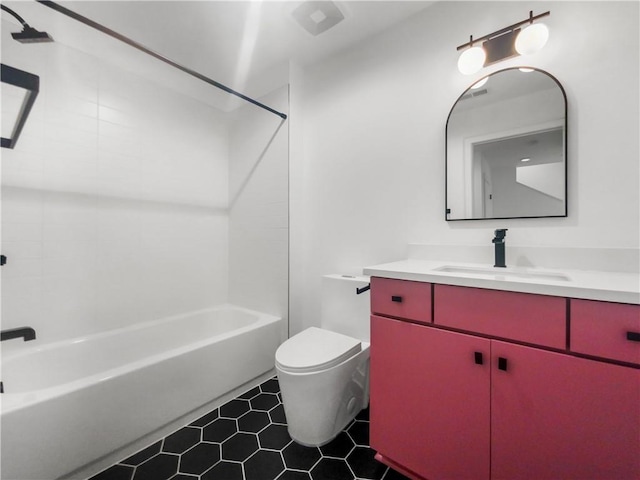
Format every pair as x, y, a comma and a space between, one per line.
142, 48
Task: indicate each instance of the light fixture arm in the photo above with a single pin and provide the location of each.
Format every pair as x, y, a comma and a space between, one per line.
529, 20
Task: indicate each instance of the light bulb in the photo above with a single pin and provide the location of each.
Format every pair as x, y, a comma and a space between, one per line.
532, 39
479, 83
471, 60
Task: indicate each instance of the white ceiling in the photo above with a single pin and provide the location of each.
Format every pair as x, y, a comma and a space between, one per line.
228, 41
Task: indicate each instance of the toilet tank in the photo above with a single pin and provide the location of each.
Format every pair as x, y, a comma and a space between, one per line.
344, 311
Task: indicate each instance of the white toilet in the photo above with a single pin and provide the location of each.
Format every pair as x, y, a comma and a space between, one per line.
324, 372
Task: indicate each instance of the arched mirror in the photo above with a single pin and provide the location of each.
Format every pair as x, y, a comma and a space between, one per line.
506, 154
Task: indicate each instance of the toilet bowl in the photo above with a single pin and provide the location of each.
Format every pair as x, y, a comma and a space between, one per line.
323, 372
324, 379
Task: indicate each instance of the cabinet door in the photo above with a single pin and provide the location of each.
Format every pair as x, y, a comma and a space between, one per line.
430, 400
560, 417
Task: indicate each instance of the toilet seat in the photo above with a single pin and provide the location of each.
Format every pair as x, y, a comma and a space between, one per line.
315, 349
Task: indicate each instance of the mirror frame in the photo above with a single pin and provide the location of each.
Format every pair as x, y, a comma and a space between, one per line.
566, 158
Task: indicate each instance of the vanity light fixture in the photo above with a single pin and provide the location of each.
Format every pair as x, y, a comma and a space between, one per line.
504, 43
472, 59
532, 39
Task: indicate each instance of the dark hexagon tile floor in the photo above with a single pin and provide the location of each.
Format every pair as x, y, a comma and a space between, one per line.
247, 439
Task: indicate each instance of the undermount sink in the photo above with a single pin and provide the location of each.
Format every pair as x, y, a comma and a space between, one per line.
496, 272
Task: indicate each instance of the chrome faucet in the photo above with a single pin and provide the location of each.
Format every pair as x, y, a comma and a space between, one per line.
27, 333
498, 241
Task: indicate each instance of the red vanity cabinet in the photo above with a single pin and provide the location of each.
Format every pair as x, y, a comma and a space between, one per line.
556, 416
450, 403
429, 398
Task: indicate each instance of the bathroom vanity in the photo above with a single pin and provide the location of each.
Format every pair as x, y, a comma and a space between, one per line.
517, 374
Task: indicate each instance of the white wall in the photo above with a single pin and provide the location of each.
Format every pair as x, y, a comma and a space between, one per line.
368, 177
114, 202
259, 207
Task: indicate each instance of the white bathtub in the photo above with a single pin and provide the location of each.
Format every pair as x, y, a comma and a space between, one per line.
69, 403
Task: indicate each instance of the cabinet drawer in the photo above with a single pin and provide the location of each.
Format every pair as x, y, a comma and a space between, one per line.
536, 319
604, 329
401, 298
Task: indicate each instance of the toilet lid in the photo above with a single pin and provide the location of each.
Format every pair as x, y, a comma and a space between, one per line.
315, 349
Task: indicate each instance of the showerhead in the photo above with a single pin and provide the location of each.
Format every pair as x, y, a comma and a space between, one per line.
28, 33
31, 35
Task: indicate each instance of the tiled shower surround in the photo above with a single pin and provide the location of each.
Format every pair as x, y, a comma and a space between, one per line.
247, 439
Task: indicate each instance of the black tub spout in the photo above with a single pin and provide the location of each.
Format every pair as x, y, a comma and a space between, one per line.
27, 333
498, 242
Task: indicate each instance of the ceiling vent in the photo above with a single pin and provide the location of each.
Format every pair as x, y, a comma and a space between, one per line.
317, 16
474, 94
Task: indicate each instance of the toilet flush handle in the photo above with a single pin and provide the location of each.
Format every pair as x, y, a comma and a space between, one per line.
363, 289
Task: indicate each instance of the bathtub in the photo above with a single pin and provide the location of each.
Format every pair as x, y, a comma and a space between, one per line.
69, 403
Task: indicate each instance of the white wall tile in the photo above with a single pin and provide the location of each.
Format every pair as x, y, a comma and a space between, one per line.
20, 160
21, 301
114, 208
23, 249
21, 205
21, 232
18, 266
258, 194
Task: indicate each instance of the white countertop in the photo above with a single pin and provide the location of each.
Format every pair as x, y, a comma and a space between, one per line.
591, 285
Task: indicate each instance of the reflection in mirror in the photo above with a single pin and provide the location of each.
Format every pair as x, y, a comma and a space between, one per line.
506, 148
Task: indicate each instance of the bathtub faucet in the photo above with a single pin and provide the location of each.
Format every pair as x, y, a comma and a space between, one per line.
27, 333
498, 241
